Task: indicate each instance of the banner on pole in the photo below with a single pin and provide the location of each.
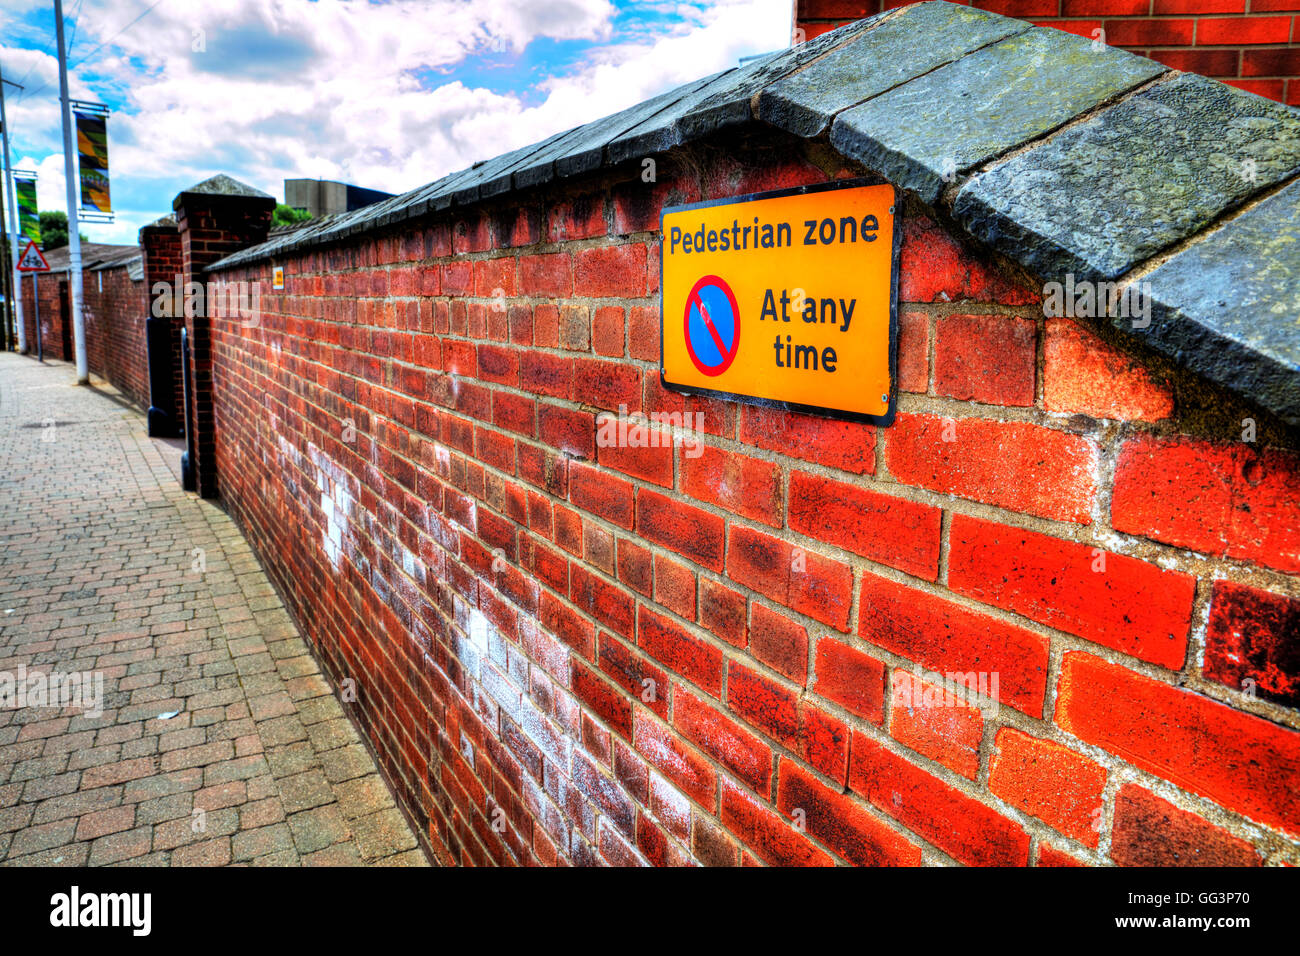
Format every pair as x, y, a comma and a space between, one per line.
29, 218
92, 153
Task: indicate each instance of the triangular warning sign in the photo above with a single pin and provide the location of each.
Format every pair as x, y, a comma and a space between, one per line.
31, 260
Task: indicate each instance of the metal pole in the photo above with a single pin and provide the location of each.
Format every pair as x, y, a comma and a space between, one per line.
36, 313
12, 198
5, 276
74, 237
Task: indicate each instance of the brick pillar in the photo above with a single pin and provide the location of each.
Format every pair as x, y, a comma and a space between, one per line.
216, 218
160, 245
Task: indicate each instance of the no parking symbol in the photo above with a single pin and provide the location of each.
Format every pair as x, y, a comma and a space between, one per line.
712, 325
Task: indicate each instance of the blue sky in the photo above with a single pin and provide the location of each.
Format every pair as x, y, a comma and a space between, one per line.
389, 95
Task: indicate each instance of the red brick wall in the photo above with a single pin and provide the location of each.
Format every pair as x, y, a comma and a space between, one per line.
162, 262
115, 344
571, 653
114, 317
211, 226
1253, 44
56, 334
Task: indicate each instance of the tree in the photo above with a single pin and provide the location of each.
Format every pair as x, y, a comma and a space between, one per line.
286, 216
54, 230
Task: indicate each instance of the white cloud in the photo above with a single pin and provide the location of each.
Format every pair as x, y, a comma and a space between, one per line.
348, 90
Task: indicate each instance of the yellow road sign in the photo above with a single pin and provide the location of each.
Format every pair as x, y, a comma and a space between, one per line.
786, 298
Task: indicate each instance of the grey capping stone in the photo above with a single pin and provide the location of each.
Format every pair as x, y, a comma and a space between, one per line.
492, 178
1228, 305
971, 111
1106, 195
805, 103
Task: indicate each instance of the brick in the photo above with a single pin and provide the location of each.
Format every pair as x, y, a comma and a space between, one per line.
946, 637
774, 839
601, 494
913, 352
1272, 89
494, 277
722, 612
607, 385
984, 358
779, 642
546, 374
550, 275
1015, 465
1084, 375
840, 822
565, 623
1112, 8
606, 602
854, 680
1142, 33
837, 9
1273, 62
1149, 831
1110, 599
635, 674
892, 531
805, 582
674, 586
935, 267
690, 531
1237, 31
812, 734
1239, 761
739, 751
605, 702
1250, 642
611, 271
652, 462
681, 763
607, 327
1168, 7
1220, 499
1019, 8
1053, 783
734, 482
575, 328
1205, 62
643, 333
681, 652
848, 446
1049, 855
935, 723
961, 826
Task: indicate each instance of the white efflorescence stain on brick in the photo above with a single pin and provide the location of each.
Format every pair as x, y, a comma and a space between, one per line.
336, 504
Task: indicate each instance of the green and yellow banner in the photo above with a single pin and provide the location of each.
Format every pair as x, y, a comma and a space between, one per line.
92, 151
29, 219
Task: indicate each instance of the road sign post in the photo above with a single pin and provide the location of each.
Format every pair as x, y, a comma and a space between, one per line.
33, 260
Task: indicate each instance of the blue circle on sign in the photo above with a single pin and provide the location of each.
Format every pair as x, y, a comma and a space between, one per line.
712, 325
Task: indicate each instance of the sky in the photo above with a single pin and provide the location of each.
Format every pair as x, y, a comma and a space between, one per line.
388, 95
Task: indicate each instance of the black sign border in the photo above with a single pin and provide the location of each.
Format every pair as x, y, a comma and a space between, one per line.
896, 209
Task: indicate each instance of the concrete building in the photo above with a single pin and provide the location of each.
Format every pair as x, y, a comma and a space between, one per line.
324, 197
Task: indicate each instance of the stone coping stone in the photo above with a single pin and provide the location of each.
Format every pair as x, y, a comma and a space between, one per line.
1229, 305
807, 102
1113, 191
922, 134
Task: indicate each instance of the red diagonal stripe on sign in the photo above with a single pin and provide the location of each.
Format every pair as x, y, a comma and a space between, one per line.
708, 323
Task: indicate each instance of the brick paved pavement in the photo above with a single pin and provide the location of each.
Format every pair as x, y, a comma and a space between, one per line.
99, 572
